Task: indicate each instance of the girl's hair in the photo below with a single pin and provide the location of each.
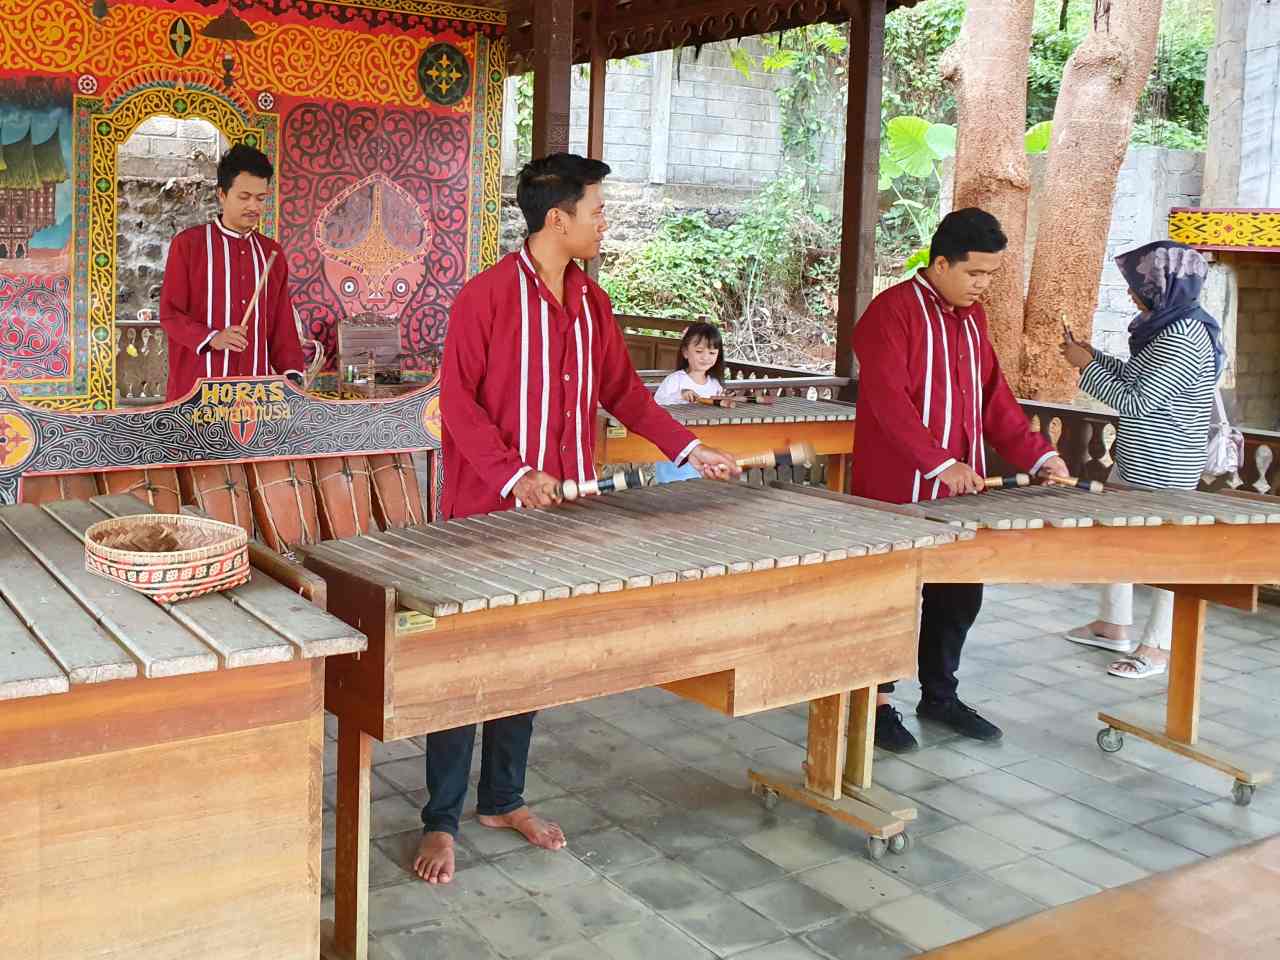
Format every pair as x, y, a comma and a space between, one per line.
711, 334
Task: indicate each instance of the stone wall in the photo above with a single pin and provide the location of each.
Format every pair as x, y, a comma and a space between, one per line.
687, 121
149, 214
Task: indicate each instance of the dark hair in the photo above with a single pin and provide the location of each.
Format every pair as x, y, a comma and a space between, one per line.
243, 158
711, 334
966, 231
558, 181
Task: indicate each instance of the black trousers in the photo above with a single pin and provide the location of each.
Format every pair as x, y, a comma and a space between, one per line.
947, 613
504, 755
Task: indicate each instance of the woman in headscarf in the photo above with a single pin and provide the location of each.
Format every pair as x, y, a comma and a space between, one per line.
1163, 394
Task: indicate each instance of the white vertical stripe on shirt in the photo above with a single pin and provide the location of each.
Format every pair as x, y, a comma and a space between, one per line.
928, 380
588, 421
524, 370
546, 384
226, 306
258, 347
577, 337
208, 295
979, 401
946, 364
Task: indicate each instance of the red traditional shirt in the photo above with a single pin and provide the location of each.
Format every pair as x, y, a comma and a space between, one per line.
930, 393
209, 280
521, 380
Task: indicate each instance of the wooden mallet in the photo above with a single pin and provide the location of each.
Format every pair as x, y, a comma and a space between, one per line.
1006, 483
795, 455
622, 480
257, 289
1093, 486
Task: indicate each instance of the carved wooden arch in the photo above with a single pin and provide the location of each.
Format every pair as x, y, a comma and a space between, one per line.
108, 123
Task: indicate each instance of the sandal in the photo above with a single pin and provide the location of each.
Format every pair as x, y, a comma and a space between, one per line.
1087, 637
1140, 668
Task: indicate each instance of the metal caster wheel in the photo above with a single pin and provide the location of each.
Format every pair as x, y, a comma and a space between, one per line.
1110, 740
900, 843
770, 798
1242, 793
876, 848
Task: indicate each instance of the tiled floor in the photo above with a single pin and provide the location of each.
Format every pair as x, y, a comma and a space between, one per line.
670, 857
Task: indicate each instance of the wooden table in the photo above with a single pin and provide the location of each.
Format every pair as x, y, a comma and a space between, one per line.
160, 765
1205, 547
741, 598
746, 429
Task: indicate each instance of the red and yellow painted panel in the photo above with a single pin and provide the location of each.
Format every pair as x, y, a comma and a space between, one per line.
1243, 230
382, 117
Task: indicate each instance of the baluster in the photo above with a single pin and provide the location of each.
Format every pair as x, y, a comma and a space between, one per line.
1262, 458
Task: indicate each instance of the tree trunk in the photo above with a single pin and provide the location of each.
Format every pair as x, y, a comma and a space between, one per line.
1091, 126
987, 71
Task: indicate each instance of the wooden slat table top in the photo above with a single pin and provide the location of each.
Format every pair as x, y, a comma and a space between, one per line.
61, 626
784, 410
1045, 506
628, 540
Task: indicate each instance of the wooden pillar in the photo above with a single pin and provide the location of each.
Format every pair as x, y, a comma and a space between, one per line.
552, 75
595, 107
861, 173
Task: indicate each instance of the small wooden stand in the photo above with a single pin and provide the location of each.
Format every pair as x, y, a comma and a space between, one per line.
837, 774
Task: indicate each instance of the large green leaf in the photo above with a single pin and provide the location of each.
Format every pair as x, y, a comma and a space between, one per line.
914, 262
1039, 137
941, 138
909, 146
741, 61
890, 170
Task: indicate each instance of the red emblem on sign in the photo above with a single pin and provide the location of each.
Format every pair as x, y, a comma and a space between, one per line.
244, 422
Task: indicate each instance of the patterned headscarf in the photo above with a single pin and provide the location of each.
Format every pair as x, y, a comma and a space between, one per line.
1168, 277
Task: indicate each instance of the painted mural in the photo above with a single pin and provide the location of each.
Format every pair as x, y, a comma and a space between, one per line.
382, 117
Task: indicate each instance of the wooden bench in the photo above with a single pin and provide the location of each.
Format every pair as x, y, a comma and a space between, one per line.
290, 468
1221, 908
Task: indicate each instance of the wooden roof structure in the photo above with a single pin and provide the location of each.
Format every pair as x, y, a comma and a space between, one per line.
550, 36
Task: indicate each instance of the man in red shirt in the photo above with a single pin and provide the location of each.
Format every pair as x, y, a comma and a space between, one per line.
532, 350
930, 394
209, 279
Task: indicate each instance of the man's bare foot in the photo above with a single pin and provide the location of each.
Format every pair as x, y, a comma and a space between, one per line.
539, 832
434, 862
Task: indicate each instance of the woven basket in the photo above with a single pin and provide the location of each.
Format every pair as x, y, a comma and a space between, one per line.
210, 555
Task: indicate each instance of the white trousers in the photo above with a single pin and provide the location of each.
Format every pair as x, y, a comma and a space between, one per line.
1117, 608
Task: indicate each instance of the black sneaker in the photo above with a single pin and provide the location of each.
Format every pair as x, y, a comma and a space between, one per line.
963, 719
891, 735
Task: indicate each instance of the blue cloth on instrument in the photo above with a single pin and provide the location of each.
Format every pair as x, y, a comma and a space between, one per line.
667, 472
1168, 277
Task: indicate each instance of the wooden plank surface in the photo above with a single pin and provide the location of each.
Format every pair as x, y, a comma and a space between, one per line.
76, 641
301, 623
633, 539
161, 647
26, 669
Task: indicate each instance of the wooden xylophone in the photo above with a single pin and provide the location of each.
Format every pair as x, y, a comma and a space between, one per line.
1205, 547
744, 429
685, 585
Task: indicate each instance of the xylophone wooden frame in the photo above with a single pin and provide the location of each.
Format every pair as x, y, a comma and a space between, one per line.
1222, 563
760, 428
851, 623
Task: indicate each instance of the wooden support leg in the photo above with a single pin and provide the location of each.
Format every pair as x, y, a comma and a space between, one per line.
351, 859
826, 745
862, 739
1182, 716
838, 472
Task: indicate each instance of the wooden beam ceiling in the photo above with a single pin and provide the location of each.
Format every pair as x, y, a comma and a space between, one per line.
632, 27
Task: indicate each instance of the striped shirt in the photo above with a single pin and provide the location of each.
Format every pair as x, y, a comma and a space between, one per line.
1163, 396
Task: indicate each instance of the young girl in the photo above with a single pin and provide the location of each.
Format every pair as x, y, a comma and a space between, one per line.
698, 374
1163, 395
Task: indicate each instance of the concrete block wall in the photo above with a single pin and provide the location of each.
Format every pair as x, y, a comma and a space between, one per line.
683, 121
1256, 398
